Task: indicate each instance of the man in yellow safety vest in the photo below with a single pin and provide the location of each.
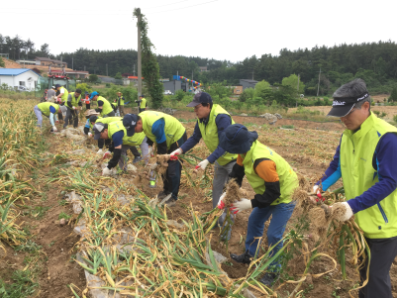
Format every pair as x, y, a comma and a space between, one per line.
366, 160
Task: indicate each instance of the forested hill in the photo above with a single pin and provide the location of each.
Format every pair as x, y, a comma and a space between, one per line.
376, 63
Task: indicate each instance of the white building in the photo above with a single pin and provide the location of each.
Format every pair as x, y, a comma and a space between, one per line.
15, 77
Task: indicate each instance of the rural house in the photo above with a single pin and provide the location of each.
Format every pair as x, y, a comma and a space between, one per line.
15, 77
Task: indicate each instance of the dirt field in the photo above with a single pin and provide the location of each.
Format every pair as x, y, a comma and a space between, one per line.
308, 147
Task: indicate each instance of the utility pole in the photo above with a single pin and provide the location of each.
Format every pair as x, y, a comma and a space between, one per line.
318, 88
72, 62
139, 55
298, 85
107, 70
133, 70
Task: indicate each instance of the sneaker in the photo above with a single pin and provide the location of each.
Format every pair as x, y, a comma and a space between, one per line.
152, 183
269, 278
161, 195
170, 202
245, 258
137, 158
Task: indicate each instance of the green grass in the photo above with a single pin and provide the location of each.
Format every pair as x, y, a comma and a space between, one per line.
64, 215
29, 246
20, 286
288, 126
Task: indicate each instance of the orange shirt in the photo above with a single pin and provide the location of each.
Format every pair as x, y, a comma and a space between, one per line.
266, 169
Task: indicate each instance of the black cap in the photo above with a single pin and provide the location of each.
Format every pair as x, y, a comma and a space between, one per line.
237, 139
141, 95
129, 122
342, 106
201, 97
78, 91
57, 85
93, 118
98, 128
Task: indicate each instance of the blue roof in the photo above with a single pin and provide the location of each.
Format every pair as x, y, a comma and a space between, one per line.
12, 71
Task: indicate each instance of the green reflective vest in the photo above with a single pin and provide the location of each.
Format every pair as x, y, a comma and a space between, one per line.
108, 120
209, 133
121, 101
287, 177
64, 97
173, 129
106, 108
356, 155
44, 107
143, 103
117, 126
75, 101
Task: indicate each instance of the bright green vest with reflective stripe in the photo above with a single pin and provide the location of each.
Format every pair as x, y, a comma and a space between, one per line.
287, 177
173, 129
108, 120
64, 97
209, 133
356, 154
75, 101
135, 140
121, 101
106, 108
44, 107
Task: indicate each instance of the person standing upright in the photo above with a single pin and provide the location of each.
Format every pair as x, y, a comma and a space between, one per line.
142, 103
366, 160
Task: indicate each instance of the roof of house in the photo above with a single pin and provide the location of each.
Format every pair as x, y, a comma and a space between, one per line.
12, 71
249, 81
49, 59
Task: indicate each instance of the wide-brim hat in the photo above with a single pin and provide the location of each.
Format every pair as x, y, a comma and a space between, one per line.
237, 139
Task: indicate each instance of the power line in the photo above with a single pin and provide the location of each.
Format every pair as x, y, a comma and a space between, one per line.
182, 7
164, 5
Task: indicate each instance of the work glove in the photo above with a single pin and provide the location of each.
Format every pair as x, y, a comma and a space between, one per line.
106, 171
74, 108
316, 191
241, 205
343, 216
54, 129
100, 151
202, 164
174, 154
221, 203
89, 135
107, 154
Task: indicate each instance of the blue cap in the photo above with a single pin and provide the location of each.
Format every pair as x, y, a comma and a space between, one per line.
237, 139
57, 85
129, 122
93, 94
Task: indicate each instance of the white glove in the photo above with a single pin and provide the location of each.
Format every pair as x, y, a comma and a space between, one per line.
107, 154
54, 128
177, 152
242, 205
74, 108
99, 152
202, 164
106, 171
89, 135
174, 154
221, 203
348, 211
315, 189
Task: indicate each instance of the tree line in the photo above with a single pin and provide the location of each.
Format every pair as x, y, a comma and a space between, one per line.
322, 69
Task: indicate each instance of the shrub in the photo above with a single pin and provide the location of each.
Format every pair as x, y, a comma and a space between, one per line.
179, 95
395, 118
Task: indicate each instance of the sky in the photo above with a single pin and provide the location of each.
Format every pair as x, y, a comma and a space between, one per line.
220, 29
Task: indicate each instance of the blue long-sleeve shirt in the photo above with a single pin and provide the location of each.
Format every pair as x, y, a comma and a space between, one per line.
158, 131
222, 121
384, 161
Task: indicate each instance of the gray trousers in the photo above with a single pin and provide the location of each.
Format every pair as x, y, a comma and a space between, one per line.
39, 116
124, 149
71, 117
221, 177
